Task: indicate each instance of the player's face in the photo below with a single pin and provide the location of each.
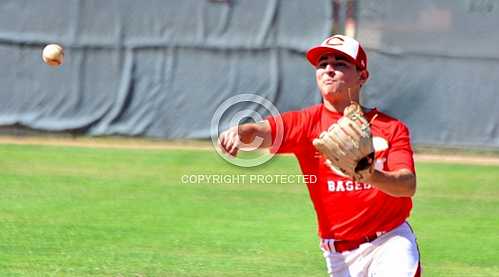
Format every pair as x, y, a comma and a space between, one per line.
337, 78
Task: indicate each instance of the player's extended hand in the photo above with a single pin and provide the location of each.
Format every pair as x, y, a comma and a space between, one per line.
348, 144
229, 141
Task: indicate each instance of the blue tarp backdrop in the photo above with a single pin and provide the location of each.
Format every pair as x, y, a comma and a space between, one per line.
435, 64
161, 68
154, 68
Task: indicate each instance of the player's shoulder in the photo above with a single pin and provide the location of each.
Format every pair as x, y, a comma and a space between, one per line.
387, 121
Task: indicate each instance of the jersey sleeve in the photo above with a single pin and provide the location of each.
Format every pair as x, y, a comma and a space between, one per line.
293, 131
400, 154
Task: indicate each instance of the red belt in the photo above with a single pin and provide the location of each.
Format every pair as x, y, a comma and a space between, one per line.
348, 245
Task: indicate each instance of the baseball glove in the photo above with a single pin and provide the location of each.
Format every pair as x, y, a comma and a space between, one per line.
348, 144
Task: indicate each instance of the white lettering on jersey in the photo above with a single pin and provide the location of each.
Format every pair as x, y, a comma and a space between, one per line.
349, 185
340, 186
331, 186
358, 186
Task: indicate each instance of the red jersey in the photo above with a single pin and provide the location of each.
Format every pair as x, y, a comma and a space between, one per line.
345, 209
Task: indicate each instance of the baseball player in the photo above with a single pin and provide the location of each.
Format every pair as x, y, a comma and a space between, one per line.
362, 198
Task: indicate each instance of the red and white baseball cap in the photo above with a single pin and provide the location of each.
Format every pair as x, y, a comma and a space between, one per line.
339, 44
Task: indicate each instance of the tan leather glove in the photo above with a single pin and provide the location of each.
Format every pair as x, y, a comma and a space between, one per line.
348, 144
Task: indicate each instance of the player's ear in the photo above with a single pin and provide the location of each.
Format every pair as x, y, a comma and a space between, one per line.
363, 76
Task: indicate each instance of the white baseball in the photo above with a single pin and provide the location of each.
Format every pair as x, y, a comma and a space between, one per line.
53, 55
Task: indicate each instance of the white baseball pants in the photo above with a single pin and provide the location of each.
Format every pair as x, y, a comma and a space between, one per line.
393, 254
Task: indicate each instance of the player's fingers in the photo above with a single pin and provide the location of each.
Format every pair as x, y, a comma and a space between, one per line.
227, 142
234, 152
221, 145
222, 142
234, 147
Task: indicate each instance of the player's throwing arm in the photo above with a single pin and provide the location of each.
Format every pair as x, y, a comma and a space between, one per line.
254, 135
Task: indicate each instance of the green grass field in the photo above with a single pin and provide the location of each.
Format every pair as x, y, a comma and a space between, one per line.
115, 212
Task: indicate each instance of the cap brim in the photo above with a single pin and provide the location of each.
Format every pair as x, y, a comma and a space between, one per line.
314, 54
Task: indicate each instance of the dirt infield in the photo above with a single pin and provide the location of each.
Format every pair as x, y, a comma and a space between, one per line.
456, 159
108, 142
157, 144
